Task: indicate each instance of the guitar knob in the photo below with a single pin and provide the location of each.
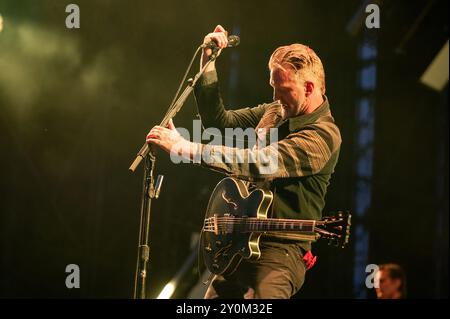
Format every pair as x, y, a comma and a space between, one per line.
208, 248
218, 243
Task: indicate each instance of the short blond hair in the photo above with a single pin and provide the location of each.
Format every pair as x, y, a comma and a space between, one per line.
303, 59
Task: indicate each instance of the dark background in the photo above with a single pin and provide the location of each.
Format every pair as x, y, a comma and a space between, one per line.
76, 104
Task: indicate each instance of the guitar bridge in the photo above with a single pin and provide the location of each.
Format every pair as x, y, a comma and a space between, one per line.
211, 225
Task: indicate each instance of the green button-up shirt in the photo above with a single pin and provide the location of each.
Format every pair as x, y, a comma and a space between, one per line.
305, 153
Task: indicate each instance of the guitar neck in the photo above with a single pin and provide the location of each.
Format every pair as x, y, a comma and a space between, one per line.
274, 225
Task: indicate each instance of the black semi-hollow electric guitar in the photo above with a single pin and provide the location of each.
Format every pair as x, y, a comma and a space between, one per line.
235, 220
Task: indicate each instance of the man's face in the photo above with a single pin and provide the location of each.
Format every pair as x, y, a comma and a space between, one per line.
288, 88
388, 286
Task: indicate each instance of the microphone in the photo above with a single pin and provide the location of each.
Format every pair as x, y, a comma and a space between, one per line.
233, 41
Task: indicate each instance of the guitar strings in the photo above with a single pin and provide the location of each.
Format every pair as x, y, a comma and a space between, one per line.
253, 220
230, 223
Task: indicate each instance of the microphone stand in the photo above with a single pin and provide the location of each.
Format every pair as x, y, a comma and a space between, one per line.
151, 190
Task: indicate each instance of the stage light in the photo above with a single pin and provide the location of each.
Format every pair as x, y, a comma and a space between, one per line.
167, 292
436, 75
1, 23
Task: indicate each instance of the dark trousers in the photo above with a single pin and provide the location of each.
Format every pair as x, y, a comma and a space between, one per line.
279, 273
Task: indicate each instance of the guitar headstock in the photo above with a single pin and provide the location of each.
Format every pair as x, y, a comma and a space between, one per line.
336, 228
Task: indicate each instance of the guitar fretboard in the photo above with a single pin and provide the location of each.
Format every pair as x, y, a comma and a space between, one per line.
257, 224
229, 224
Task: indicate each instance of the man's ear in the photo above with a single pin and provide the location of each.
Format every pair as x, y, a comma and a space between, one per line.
309, 88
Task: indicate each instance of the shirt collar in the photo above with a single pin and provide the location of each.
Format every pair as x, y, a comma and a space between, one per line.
298, 122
